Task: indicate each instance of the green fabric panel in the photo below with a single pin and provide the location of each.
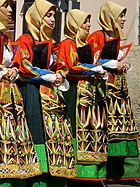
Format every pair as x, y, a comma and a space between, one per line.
19, 183
70, 99
75, 147
41, 151
56, 181
91, 171
123, 148
47, 181
33, 109
117, 148
131, 168
6, 183
102, 171
38, 181
133, 148
13, 183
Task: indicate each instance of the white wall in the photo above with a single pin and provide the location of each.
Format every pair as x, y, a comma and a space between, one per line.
132, 16
19, 18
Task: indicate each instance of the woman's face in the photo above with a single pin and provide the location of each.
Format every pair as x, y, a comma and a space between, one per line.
6, 9
86, 25
121, 20
49, 18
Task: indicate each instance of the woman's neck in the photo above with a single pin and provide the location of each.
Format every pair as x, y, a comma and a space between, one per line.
113, 34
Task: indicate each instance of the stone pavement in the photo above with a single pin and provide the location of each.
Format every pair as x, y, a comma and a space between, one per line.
120, 185
133, 78
94, 184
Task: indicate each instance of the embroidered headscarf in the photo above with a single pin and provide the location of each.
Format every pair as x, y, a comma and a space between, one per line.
39, 29
73, 26
107, 18
3, 19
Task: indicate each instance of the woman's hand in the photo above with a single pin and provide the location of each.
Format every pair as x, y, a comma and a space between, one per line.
12, 74
59, 80
123, 67
126, 67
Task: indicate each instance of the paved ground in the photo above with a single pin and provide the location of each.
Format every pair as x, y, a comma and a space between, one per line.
119, 185
133, 78
94, 184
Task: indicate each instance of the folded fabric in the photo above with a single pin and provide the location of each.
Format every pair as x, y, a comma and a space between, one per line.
3, 71
64, 86
107, 63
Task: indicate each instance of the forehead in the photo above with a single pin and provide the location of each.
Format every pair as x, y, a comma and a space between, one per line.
50, 12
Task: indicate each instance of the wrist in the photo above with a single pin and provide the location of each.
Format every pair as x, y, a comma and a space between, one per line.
16, 69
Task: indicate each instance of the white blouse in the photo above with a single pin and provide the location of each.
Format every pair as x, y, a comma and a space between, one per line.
6, 62
7, 56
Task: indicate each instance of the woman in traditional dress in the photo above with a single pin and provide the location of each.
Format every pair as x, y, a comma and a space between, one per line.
41, 88
85, 99
18, 158
123, 163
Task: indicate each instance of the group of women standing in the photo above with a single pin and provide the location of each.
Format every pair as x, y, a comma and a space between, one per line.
66, 114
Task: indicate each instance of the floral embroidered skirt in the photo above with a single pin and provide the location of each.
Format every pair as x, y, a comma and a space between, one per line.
18, 158
87, 109
122, 131
51, 130
58, 133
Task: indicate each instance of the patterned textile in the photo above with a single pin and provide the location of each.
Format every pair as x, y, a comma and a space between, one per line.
18, 158
91, 121
58, 133
121, 123
88, 131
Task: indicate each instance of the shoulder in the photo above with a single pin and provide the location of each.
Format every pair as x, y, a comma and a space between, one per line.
64, 45
67, 42
4, 38
26, 38
96, 35
1, 40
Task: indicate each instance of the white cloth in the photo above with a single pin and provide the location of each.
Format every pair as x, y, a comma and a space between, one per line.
49, 77
113, 64
3, 71
7, 57
98, 69
120, 55
52, 77
64, 86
